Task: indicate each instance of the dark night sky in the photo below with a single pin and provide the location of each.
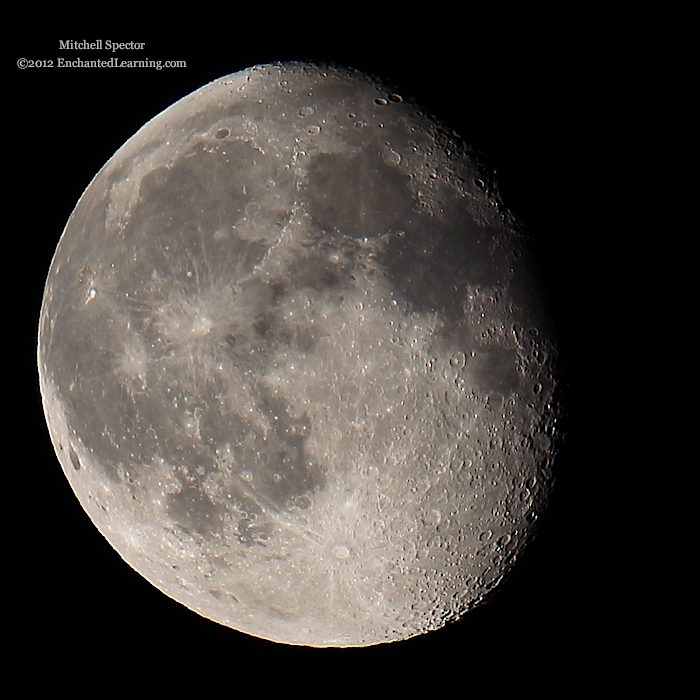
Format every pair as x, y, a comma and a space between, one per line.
539, 109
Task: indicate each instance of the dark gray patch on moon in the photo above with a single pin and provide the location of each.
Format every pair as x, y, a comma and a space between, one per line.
293, 353
357, 195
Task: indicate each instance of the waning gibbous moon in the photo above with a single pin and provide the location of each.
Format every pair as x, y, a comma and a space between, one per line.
295, 363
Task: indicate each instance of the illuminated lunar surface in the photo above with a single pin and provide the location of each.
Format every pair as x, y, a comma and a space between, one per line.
295, 364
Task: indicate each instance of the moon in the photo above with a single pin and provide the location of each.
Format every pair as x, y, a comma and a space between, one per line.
296, 362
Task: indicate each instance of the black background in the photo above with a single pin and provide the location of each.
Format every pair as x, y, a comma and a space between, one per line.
544, 108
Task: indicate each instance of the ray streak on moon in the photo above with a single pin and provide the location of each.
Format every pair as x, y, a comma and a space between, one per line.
295, 362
